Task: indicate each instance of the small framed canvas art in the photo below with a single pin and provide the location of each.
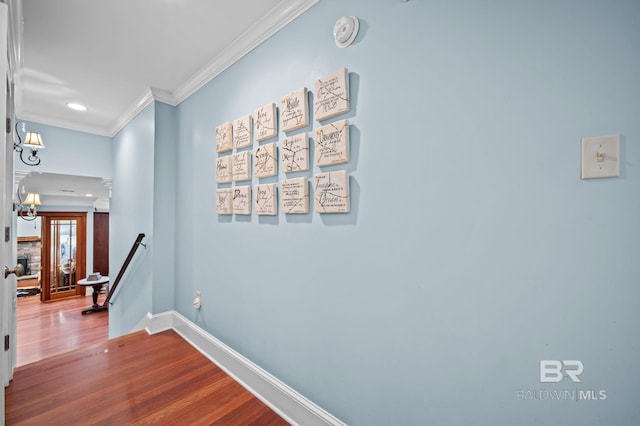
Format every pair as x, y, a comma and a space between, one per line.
223, 169
295, 153
266, 199
224, 139
265, 125
265, 160
294, 195
332, 144
242, 132
332, 95
294, 110
331, 192
242, 199
224, 201
241, 165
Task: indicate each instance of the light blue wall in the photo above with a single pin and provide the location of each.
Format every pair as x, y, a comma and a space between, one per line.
131, 213
70, 152
473, 249
165, 209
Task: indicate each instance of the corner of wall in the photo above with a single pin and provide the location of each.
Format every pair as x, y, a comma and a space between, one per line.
164, 206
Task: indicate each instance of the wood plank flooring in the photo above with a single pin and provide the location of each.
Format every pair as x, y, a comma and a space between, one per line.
134, 380
46, 329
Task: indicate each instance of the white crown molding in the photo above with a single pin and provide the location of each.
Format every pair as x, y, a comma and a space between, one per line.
107, 182
151, 94
281, 15
288, 403
134, 109
163, 96
21, 174
36, 118
66, 200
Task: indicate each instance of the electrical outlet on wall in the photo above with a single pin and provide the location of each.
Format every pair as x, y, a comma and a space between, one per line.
600, 157
197, 302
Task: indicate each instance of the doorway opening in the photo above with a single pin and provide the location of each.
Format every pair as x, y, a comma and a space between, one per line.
63, 254
65, 328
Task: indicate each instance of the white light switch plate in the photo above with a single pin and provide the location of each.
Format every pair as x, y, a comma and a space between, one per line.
600, 157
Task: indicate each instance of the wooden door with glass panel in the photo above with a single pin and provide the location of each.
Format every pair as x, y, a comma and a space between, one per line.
63, 254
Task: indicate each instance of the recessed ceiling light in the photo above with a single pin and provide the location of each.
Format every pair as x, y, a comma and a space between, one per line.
77, 107
88, 195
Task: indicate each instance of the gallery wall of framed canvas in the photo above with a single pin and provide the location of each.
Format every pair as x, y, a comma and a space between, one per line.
291, 194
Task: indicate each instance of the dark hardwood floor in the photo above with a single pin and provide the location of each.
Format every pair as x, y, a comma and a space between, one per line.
132, 380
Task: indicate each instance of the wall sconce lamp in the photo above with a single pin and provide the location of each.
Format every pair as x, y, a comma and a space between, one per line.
32, 200
33, 142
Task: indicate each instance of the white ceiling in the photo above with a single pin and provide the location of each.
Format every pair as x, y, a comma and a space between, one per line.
117, 56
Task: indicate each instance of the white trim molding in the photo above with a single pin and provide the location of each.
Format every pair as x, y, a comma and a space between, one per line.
281, 15
277, 18
289, 404
134, 109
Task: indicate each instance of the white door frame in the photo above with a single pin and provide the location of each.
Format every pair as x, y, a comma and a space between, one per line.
7, 228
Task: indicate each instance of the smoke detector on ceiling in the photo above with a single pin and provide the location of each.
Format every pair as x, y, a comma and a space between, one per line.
345, 30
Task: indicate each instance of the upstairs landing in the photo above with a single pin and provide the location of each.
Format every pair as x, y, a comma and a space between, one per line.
134, 379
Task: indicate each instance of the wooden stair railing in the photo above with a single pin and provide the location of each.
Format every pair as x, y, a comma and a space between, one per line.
112, 289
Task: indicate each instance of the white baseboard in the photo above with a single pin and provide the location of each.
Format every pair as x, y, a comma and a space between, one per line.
289, 404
